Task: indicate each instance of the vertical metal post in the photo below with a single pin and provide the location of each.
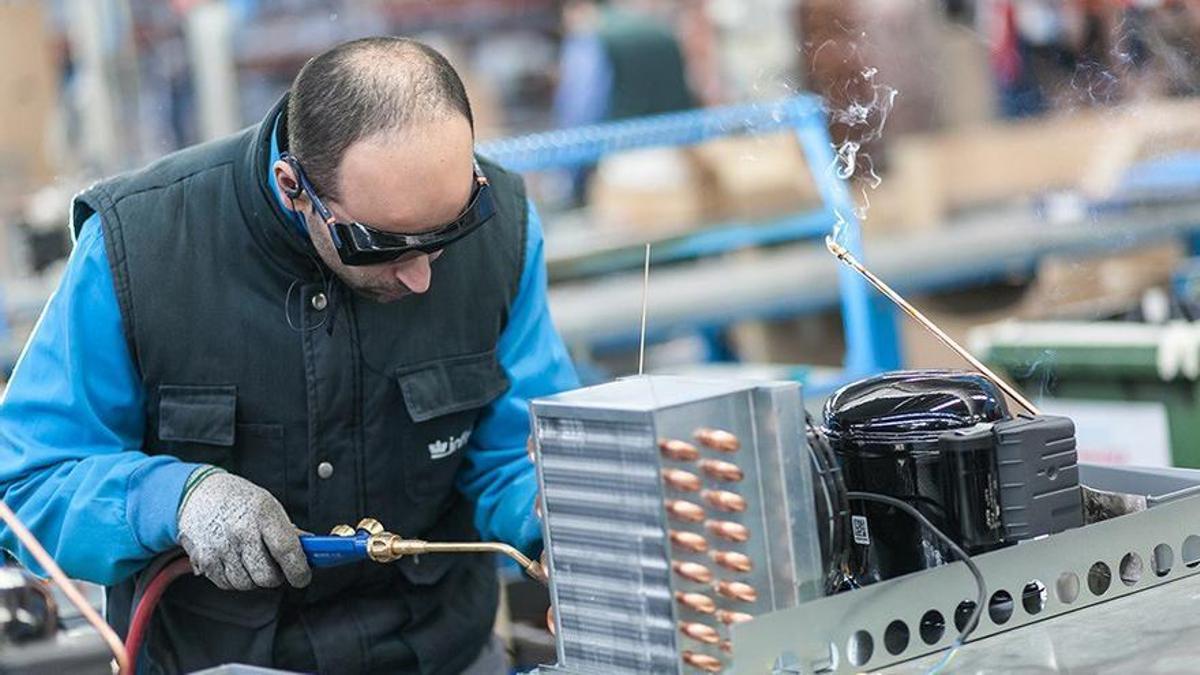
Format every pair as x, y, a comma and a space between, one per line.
100, 34
872, 340
209, 33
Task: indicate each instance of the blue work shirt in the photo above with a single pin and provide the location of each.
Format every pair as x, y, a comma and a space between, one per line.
73, 418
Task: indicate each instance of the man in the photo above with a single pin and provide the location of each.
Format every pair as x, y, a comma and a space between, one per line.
616, 64
331, 315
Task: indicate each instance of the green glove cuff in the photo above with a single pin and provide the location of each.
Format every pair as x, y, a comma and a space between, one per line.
193, 480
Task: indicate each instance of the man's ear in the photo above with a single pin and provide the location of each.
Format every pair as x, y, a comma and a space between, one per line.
287, 180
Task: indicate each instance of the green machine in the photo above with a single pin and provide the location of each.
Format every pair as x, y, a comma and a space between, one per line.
1134, 367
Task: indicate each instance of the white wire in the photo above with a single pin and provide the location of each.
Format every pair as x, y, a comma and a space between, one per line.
645, 298
950, 654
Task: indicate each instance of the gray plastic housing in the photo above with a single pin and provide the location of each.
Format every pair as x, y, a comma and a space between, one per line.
1039, 476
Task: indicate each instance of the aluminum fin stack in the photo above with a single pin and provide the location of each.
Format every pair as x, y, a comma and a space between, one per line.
674, 508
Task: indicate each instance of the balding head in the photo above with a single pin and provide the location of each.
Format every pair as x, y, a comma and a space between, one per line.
362, 89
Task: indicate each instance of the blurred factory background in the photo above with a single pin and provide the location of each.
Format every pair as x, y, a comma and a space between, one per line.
1028, 170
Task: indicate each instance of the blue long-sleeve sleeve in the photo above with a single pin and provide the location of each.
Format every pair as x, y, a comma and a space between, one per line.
71, 425
497, 474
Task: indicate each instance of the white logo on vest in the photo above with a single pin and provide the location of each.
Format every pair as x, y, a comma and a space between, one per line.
440, 449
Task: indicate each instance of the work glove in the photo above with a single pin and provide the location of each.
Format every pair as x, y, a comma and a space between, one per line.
238, 535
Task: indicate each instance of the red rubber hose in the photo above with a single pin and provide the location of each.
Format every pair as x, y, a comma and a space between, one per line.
146, 606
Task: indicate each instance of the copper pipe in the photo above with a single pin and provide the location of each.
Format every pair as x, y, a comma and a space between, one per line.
697, 602
732, 560
680, 509
692, 571
681, 480
68, 588
689, 541
729, 618
845, 256
736, 590
680, 451
731, 531
718, 439
722, 471
709, 664
700, 632
531, 450
725, 500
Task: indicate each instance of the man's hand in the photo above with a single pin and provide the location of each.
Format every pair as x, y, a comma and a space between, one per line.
238, 535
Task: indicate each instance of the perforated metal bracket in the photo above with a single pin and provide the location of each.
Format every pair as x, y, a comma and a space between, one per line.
918, 614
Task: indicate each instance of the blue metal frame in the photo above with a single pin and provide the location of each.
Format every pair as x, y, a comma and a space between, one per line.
872, 340
715, 240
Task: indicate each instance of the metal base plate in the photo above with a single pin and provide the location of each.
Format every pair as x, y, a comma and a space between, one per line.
912, 616
1153, 632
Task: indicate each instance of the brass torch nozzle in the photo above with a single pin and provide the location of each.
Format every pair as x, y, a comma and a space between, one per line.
387, 547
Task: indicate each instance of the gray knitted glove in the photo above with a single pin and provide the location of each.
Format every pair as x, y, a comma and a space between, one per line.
237, 533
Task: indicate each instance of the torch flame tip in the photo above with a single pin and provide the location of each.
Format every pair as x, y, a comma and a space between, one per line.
835, 248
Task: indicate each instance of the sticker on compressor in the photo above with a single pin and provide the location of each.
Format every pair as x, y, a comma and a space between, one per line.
862, 535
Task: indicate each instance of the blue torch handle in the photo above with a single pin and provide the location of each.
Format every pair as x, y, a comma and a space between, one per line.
332, 550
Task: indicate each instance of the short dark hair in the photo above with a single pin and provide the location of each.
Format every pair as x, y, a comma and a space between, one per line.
361, 88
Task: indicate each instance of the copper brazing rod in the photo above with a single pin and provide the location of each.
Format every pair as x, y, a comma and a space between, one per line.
845, 256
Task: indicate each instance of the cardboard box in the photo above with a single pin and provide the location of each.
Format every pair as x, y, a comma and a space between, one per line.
657, 192
931, 176
1064, 288
669, 191
757, 177
29, 83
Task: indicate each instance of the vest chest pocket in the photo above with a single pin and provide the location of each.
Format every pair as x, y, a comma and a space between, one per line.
199, 423
444, 400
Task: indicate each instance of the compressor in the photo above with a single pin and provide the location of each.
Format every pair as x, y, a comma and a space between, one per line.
945, 443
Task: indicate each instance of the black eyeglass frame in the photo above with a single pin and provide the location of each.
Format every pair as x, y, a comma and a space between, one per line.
358, 244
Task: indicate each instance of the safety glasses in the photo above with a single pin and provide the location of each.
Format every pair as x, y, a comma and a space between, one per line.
358, 244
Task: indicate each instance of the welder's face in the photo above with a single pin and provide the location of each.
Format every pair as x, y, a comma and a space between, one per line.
410, 182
